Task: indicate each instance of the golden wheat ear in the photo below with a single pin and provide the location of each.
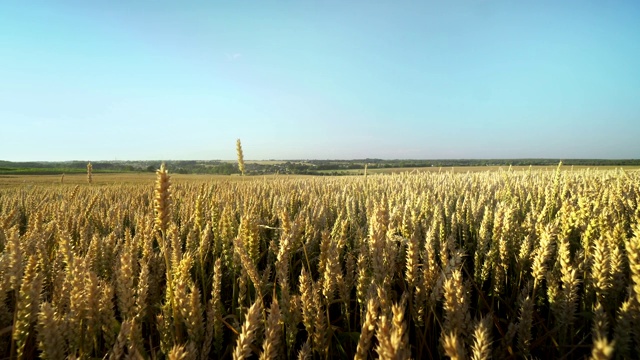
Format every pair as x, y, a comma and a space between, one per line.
89, 173
248, 331
240, 156
162, 199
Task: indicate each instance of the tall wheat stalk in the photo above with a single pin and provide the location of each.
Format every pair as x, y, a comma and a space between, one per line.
240, 156
89, 173
162, 207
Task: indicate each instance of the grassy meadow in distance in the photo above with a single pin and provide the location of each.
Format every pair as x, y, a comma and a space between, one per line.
424, 263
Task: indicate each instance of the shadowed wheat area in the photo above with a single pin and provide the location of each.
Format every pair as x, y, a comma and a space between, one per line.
504, 264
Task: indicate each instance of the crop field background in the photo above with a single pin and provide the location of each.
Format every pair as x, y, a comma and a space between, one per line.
466, 169
511, 263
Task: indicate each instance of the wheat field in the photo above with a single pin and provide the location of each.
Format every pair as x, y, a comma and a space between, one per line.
503, 264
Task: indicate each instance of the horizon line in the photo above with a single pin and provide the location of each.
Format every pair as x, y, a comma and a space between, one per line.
328, 159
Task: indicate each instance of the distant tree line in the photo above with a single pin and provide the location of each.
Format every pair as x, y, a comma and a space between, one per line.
310, 167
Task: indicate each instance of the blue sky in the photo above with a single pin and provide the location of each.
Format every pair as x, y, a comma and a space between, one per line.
104, 80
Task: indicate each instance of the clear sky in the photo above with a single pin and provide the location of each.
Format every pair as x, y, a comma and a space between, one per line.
126, 80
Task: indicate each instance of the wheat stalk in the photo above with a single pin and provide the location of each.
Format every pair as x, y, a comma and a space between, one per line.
89, 173
248, 332
240, 156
